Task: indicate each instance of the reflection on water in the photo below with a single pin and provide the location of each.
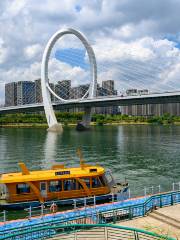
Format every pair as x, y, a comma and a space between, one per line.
145, 155
50, 149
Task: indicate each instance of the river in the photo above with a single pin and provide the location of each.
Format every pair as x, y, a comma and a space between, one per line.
145, 155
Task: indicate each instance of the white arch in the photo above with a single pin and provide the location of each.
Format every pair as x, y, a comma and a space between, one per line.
50, 116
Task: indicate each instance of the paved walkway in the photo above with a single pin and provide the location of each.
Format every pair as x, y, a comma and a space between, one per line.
164, 221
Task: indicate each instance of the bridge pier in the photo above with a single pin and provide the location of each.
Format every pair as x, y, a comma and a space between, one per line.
85, 123
57, 127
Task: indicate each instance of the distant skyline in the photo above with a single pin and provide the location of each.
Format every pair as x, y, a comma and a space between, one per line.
28, 92
137, 43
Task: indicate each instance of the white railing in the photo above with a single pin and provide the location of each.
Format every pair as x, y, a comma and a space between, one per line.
3, 216
176, 186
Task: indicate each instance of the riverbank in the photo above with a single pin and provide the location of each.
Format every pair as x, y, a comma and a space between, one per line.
71, 119
44, 125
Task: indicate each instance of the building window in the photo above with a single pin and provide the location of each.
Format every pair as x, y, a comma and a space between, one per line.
69, 184
55, 186
22, 188
95, 182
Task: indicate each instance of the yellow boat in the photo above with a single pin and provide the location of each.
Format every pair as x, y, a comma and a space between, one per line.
31, 188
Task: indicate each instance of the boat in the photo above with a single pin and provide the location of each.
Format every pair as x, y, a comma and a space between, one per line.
60, 185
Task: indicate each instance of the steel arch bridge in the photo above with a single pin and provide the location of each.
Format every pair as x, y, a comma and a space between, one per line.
46, 89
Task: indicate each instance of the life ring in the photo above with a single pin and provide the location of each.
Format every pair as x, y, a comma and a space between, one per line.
53, 208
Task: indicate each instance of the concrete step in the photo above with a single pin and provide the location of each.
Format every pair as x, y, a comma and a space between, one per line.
95, 233
63, 237
165, 219
165, 216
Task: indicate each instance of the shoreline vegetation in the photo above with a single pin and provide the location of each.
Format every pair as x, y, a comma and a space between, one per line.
70, 119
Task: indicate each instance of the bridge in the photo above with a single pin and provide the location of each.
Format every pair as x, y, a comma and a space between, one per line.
87, 99
155, 98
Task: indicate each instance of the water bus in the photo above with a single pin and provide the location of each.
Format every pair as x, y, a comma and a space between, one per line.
59, 184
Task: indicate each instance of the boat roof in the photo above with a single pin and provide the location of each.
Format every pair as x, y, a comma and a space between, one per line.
52, 174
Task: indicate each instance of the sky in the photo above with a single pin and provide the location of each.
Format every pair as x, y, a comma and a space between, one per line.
136, 42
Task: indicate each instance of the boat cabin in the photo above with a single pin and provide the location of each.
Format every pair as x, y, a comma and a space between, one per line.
57, 183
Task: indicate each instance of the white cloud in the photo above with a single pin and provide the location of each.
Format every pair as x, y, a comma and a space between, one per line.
114, 50
60, 71
13, 8
57, 71
129, 38
3, 52
32, 51
171, 75
144, 63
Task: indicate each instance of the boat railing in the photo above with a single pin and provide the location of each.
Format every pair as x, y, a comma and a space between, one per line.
175, 186
76, 203
152, 189
3, 216
37, 211
92, 201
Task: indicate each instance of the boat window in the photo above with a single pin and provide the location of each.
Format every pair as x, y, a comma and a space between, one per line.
102, 181
3, 189
79, 185
87, 181
43, 186
93, 170
69, 184
55, 186
22, 188
109, 179
95, 182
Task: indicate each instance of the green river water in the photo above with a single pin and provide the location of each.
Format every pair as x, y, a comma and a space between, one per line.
146, 155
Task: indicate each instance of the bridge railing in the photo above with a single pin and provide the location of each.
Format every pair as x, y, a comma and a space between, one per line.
87, 231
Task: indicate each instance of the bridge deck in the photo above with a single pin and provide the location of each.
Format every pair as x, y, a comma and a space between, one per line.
168, 97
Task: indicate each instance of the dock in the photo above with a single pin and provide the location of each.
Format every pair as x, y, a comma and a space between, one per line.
128, 211
164, 221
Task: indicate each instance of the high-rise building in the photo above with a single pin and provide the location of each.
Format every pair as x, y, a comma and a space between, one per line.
151, 109
102, 91
25, 92
136, 110
38, 91
79, 92
11, 94
107, 89
143, 92
63, 88
131, 92
74, 94
109, 85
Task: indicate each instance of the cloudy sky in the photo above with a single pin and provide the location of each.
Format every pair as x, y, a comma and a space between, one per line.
136, 42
